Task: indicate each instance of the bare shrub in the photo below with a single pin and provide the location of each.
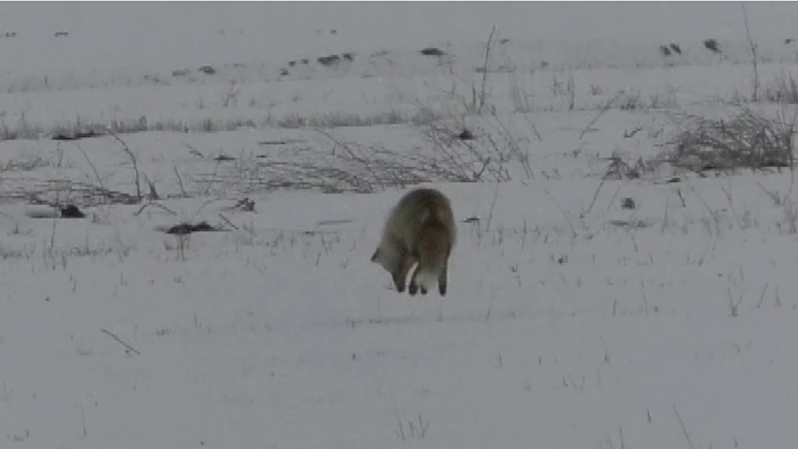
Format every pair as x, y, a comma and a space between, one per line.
782, 89
45, 193
347, 167
621, 169
450, 156
482, 157
630, 101
22, 130
749, 140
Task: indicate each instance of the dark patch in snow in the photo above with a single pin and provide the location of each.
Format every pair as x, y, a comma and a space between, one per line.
432, 51
208, 70
70, 211
189, 228
330, 60
466, 135
78, 135
712, 45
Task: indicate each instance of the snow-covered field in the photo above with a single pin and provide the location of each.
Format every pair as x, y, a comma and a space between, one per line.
588, 307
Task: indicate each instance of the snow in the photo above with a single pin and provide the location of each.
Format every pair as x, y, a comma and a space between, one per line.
570, 321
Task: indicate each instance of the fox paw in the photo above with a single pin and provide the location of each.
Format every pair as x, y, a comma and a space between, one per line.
413, 289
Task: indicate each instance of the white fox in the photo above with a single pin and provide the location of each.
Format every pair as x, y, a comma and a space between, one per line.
420, 228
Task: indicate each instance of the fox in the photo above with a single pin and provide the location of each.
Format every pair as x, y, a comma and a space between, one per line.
419, 229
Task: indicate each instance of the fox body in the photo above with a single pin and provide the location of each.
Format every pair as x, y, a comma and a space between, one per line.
420, 229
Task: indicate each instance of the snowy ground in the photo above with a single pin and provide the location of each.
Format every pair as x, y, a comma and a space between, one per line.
571, 321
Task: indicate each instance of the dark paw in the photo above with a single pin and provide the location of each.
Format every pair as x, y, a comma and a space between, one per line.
400, 288
442, 289
423, 291
413, 289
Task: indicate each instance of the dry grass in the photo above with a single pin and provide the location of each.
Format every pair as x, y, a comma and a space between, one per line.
749, 140
345, 119
345, 167
25, 130
782, 89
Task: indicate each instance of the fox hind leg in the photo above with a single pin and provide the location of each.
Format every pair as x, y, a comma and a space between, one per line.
442, 279
420, 280
413, 288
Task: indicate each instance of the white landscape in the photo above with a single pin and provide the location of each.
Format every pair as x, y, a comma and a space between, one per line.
611, 287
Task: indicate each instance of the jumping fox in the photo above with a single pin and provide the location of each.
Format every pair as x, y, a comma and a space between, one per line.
420, 228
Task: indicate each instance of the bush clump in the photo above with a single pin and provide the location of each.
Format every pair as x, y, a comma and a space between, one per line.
749, 140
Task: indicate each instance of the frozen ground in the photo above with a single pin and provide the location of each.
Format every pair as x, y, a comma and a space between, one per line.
571, 321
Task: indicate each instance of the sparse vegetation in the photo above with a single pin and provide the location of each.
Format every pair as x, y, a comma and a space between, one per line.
346, 167
343, 119
782, 89
749, 140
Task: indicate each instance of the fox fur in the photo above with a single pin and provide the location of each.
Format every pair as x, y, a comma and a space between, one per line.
420, 230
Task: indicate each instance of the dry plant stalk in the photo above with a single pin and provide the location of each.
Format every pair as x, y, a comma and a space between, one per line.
126, 149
